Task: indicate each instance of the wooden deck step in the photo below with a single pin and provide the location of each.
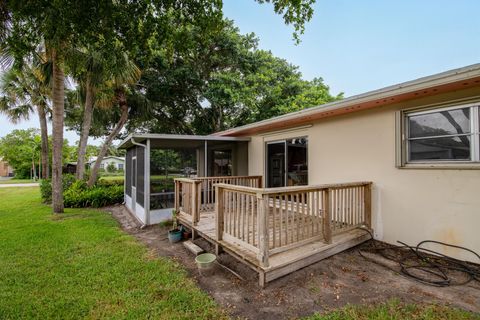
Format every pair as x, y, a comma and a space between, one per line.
192, 247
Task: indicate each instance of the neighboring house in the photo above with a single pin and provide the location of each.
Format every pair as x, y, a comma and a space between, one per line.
70, 167
5, 169
417, 142
117, 162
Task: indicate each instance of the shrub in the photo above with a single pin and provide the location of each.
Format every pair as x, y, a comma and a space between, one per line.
97, 196
46, 186
76, 193
46, 190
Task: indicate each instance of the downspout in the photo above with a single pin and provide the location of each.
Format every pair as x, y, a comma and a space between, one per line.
145, 187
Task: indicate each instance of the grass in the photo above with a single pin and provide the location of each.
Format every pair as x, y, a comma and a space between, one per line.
17, 181
394, 310
81, 265
112, 178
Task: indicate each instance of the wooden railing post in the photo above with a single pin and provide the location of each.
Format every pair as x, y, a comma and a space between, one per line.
262, 223
177, 196
368, 205
327, 216
219, 217
195, 207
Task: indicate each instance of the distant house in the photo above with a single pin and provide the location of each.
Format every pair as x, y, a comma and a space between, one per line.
117, 162
5, 169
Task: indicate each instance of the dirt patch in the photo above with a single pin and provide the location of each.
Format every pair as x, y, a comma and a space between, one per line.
345, 278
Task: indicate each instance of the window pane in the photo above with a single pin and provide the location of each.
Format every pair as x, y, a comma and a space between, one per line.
440, 123
448, 148
297, 165
165, 166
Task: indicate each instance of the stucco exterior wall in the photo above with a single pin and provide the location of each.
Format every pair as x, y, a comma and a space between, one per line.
410, 205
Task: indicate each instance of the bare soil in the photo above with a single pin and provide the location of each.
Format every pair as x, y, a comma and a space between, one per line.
345, 278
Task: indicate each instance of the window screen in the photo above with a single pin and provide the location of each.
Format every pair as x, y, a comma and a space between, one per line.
440, 135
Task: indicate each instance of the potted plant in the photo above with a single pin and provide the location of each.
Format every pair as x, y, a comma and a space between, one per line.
187, 233
174, 235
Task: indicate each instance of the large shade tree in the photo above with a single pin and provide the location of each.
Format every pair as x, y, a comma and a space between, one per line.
220, 81
116, 25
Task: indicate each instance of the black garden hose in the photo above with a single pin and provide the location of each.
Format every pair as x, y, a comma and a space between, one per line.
436, 267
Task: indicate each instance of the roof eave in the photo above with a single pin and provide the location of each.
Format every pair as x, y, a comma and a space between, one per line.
417, 88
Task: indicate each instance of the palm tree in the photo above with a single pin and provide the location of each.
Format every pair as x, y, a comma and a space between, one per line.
88, 69
24, 92
113, 94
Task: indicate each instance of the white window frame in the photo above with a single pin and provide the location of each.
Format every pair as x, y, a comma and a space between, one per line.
402, 130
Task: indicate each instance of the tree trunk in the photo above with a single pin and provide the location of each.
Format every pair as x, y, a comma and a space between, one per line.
86, 125
58, 96
122, 101
44, 137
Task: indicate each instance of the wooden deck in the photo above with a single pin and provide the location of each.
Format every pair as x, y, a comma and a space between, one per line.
284, 262
276, 231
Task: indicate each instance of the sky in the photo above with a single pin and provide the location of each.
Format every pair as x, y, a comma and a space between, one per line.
358, 46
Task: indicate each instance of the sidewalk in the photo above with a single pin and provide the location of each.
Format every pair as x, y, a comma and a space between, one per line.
14, 185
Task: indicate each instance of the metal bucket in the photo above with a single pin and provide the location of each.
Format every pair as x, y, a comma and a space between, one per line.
205, 262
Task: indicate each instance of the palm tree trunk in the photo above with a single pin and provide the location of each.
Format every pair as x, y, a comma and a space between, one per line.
86, 125
58, 95
122, 100
44, 138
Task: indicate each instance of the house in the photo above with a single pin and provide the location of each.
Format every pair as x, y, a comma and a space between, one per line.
402, 161
118, 163
5, 169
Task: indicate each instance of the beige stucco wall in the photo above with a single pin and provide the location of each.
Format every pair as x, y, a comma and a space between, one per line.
410, 205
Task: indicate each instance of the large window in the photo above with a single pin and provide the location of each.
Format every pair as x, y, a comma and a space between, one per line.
287, 162
442, 135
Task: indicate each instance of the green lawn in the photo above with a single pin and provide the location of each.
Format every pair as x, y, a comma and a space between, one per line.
81, 265
394, 310
110, 178
17, 181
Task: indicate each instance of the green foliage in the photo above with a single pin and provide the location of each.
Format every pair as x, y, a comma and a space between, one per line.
296, 13
46, 186
77, 195
218, 80
113, 181
81, 265
46, 190
19, 148
80, 196
111, 167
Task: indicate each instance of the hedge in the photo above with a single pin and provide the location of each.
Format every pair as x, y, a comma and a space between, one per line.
76, 193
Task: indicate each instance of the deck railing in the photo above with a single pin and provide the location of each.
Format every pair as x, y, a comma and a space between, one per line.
269, 221
196, 195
